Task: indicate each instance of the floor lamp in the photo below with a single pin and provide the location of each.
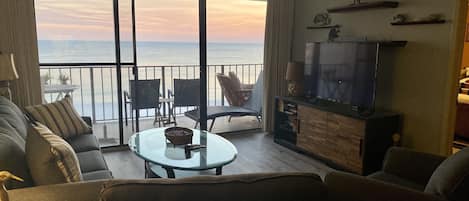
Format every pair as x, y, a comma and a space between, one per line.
7, 74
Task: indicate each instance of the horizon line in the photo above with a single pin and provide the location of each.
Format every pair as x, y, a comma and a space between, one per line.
235, 42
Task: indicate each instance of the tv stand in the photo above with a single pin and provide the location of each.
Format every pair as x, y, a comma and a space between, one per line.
335, 134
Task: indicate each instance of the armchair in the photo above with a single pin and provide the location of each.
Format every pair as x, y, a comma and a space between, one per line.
235, 92
407, 175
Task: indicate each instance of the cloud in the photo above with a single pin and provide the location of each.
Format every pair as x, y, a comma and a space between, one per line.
157, 20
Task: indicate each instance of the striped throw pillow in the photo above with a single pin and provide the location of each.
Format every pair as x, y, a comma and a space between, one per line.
60, 117
51, 160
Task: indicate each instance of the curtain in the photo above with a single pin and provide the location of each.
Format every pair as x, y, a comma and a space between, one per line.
277, 54
18, 36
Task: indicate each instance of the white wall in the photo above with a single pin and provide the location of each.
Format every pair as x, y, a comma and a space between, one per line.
420, 74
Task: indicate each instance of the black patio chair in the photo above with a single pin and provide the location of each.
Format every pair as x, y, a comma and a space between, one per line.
186, 93
146, 96
252, 107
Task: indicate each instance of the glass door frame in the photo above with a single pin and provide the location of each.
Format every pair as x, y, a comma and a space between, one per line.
203, 66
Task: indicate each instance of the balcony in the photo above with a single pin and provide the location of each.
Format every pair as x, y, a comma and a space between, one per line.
93, 89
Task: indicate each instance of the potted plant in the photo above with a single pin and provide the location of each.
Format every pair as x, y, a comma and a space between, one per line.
45, 79
64, 79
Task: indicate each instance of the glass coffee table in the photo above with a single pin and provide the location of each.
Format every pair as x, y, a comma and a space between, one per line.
152, 146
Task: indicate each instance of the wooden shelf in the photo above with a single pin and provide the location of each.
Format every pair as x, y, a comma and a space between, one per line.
364, 6
421, 22
323, 27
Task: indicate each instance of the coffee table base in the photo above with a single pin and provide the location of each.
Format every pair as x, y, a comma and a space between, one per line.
156, 171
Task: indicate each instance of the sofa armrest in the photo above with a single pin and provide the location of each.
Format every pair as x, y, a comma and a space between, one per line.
88, 121
411, 165
344, 186
83, 191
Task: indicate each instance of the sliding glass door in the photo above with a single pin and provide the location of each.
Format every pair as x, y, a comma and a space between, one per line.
122, 61
85, 50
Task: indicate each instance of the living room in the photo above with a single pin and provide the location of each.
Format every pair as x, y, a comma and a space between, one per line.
419, 84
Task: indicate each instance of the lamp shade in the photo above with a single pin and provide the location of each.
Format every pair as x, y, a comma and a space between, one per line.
295, 71
7, 67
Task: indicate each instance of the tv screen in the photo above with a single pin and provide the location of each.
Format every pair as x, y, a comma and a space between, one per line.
343, 72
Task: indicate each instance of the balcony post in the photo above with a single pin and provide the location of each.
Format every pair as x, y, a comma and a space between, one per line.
163, 85
93, 98
222, 93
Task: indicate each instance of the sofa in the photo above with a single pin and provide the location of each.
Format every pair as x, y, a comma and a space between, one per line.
13, 132
406, 175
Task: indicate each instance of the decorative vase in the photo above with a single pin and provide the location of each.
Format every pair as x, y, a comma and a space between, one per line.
295, 89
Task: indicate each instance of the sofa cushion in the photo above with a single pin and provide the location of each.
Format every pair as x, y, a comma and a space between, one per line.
451, 179
83, 143
91, 161
7, 129
389, 178
14, 116
79, 191
50, 158
258, 187
13, 159
97, 175
60, 117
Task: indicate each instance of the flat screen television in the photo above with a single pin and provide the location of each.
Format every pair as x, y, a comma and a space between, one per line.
342, 72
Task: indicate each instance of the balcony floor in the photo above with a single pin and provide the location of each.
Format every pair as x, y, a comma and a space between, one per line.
108, 135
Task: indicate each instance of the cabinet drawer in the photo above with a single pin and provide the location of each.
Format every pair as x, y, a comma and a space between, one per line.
312, 118
345, 126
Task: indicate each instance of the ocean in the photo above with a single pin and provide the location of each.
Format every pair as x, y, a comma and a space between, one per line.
149, 53
96, 95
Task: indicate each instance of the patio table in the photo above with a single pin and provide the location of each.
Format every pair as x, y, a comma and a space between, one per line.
62, 90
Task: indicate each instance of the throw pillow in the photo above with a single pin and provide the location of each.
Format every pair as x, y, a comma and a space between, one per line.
50, 158
451, 179
60, 117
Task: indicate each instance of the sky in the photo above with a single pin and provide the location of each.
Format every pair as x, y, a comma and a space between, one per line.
157, 20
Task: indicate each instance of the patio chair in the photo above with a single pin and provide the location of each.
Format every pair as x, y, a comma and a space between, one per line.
252, 107
235, 92
186, 94
146, 97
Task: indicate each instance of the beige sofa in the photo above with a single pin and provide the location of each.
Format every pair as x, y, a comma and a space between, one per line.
255, 187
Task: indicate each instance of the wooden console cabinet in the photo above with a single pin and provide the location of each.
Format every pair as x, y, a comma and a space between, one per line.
335, 134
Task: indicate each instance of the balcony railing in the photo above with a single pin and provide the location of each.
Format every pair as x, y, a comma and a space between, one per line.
94, 90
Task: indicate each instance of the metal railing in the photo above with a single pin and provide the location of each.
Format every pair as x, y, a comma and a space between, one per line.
94, 91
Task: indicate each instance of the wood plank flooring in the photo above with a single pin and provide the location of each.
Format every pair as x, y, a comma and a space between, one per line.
257, 153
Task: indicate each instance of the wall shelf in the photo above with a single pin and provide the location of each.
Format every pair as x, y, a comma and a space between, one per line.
364, 6
421, 22
323, 27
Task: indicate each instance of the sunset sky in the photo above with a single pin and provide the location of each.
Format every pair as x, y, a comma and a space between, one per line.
157, 20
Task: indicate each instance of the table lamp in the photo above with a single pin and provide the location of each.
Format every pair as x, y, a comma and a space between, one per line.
7, 74
295, 77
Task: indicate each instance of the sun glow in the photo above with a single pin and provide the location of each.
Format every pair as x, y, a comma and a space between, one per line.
157, 20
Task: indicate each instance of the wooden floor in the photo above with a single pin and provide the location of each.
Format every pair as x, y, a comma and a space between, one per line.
108, 132
257, 153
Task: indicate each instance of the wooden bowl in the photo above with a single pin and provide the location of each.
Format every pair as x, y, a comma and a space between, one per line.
179, 135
